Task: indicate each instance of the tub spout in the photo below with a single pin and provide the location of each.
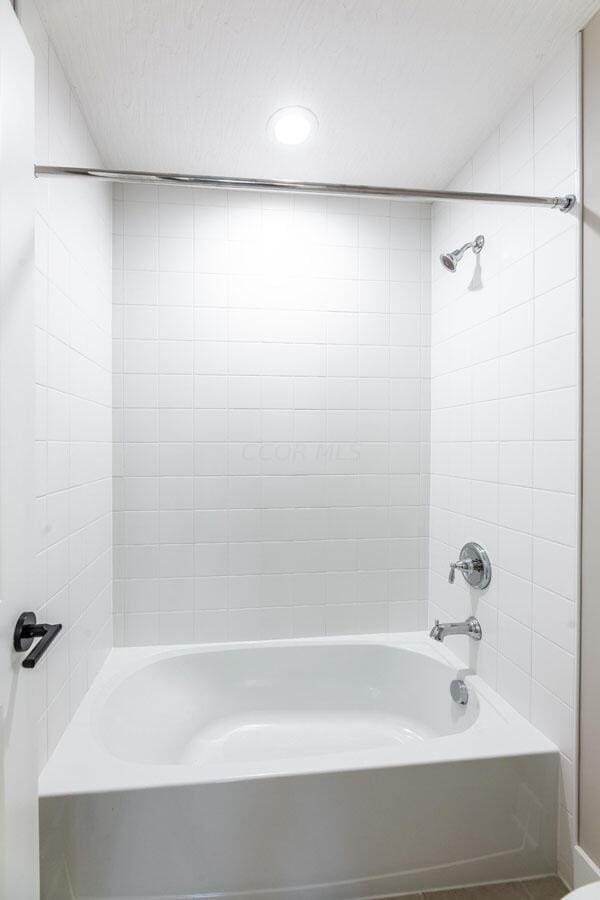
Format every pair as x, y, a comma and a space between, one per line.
470, 627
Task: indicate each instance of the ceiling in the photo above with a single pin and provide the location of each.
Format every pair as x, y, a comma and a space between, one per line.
404, 90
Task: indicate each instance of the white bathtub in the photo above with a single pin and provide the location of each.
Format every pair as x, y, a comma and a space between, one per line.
296, 769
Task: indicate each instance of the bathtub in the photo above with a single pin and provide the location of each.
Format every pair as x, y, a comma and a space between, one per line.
293, 770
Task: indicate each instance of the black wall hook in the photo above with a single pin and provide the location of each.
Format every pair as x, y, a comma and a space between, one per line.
26, 630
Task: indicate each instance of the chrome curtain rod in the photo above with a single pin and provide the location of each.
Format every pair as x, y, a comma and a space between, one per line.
300, 187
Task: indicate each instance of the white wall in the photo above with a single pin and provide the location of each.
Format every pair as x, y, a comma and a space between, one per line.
73, 399
268, 415
504, 422
587, 854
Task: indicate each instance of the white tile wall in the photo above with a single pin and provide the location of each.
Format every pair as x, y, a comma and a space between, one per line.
270, 415
73, 399
505, 411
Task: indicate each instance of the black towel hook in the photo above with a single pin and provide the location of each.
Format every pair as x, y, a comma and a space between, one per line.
26, 630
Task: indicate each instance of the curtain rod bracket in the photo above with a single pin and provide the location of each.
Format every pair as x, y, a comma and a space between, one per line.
566, 203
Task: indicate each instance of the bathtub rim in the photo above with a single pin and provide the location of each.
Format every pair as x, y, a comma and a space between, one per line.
80, 764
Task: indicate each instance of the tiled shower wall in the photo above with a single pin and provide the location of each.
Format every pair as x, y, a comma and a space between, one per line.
504, 421
270, 415
73, 398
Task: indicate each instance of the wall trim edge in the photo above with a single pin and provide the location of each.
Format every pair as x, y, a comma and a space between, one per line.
585, 870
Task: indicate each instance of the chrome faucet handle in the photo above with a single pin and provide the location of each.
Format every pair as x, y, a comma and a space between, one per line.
475, 565
465, 565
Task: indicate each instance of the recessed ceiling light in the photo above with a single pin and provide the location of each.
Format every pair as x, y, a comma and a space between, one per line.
292, 125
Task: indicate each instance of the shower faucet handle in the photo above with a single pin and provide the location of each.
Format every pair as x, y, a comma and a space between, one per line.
465, 565
475, 565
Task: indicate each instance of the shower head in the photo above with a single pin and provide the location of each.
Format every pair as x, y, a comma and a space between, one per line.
451, 260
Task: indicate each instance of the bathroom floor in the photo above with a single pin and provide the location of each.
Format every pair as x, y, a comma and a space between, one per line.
550, 888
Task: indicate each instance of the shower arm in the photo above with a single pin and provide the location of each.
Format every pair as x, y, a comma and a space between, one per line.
460, 251
128, 176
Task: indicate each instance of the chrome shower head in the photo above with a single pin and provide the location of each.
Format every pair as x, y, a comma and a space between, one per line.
451, 260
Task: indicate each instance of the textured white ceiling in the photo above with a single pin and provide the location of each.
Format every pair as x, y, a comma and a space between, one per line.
403, 89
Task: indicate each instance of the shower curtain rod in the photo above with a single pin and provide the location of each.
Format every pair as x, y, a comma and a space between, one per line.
300, 187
